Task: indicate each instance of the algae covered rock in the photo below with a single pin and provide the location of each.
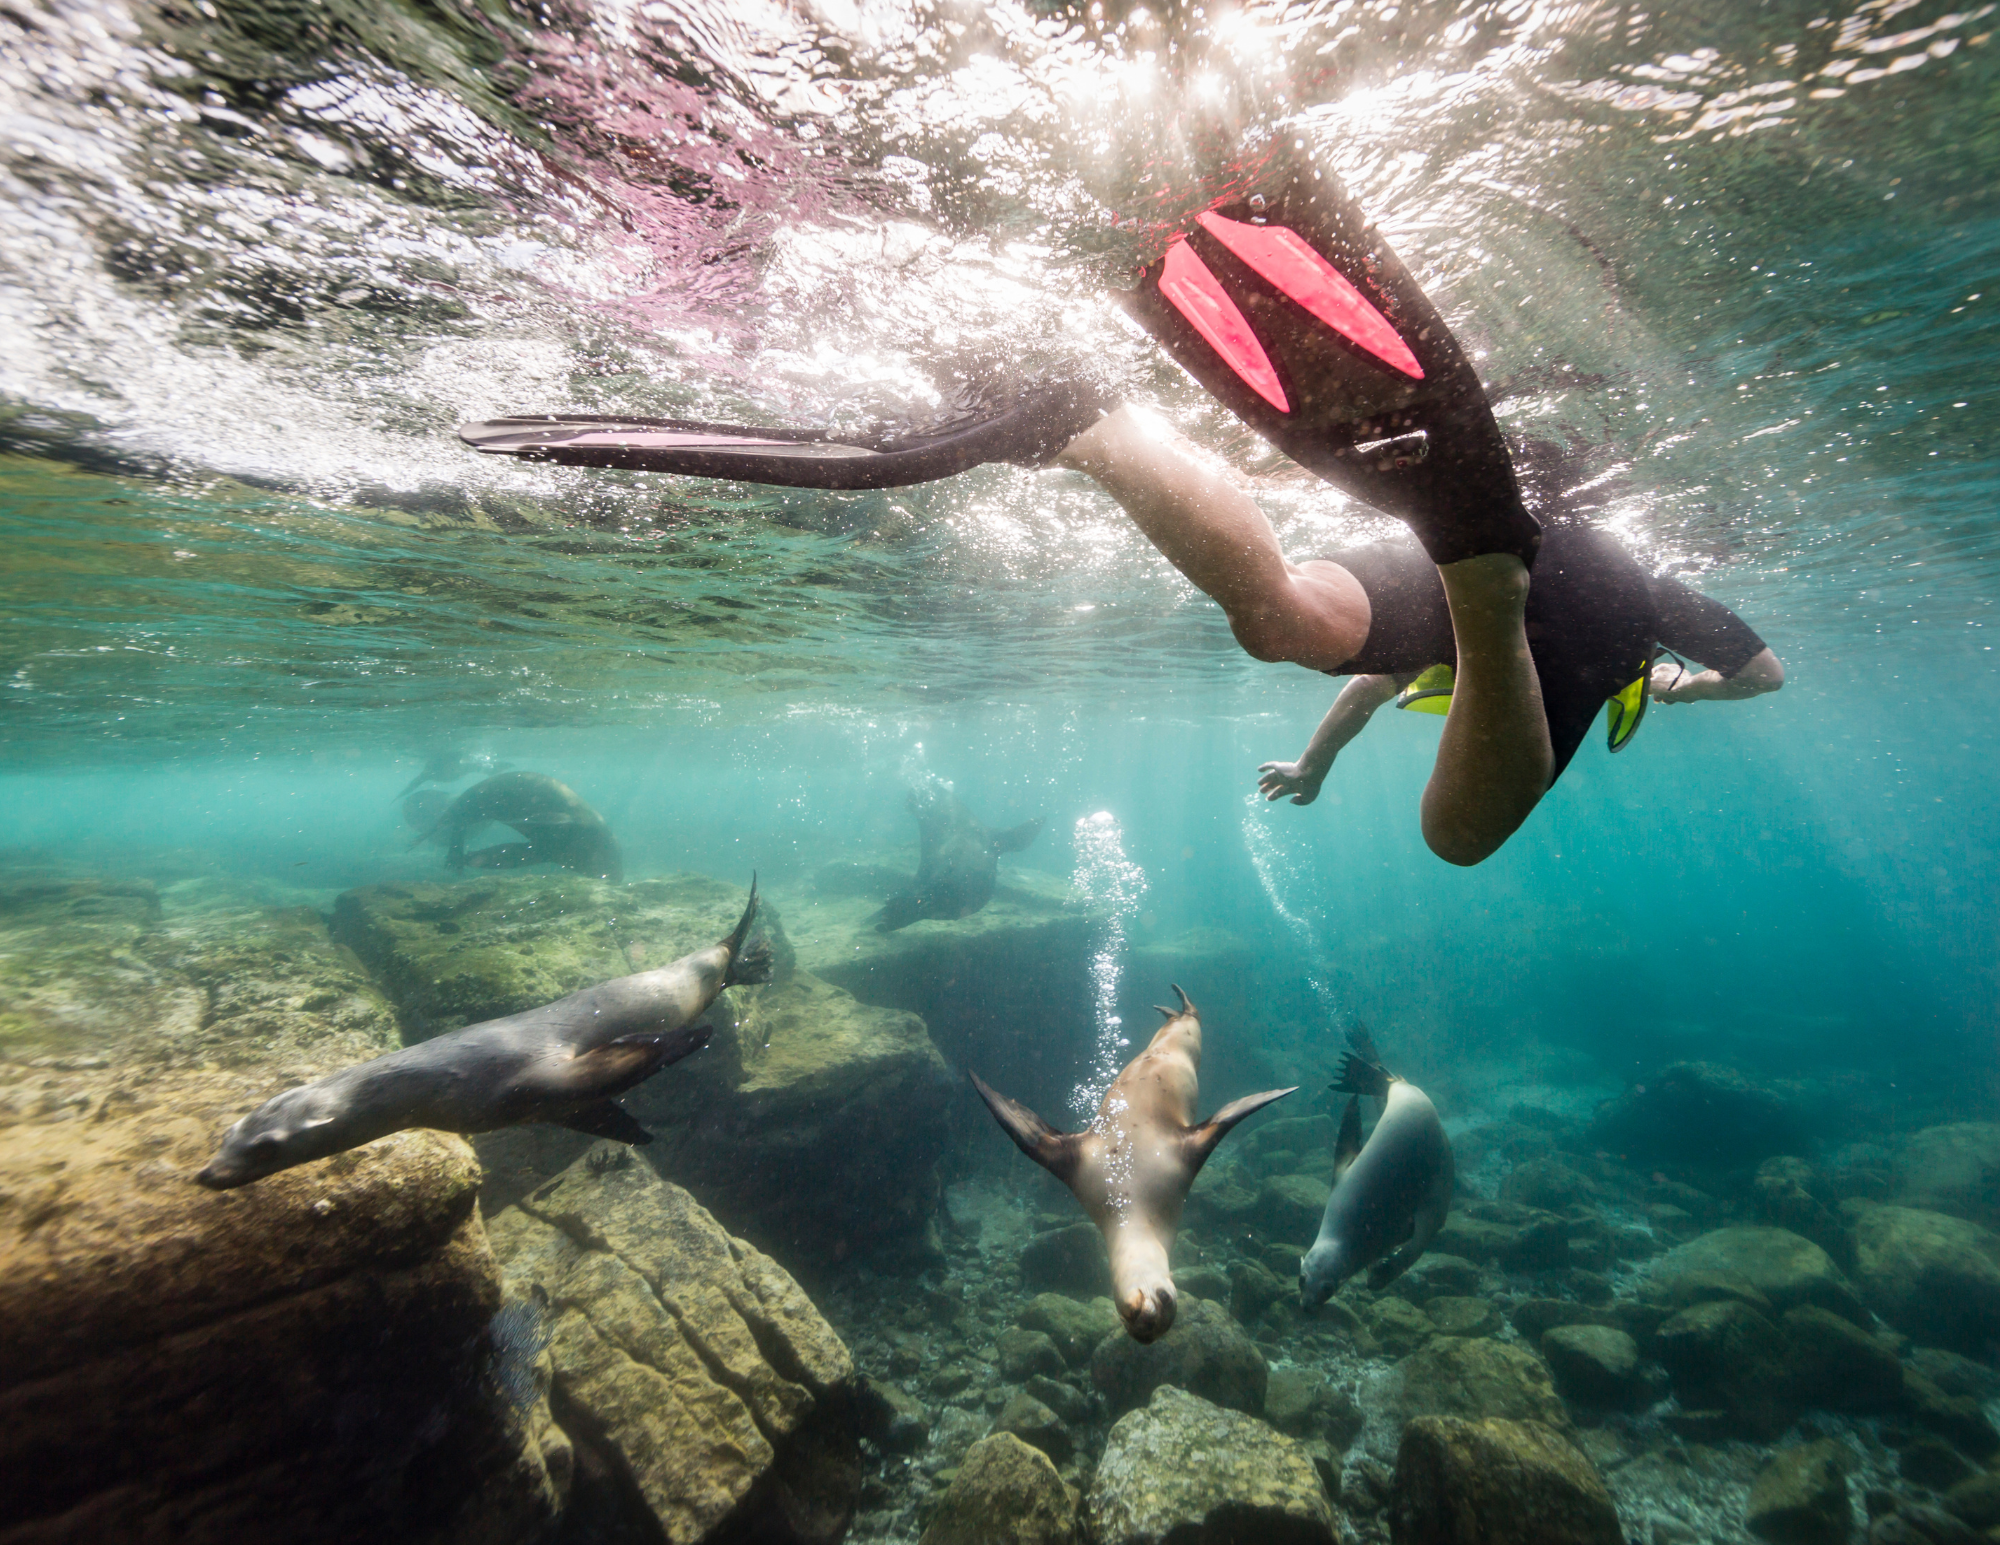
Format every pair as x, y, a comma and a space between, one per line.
172, 1354
1595, 1365
1699, 1113
1069, 1259
1005, 1493
1022, 1353
1074, 1325
1037, 1425
1933, 1276
1206, 1353
1952, 1169
1496, 1482
1800, 1496
1724, 1356
1183, 1471
1463, 1316
1837, 1365
1783, 1267
694, 1364
1289, 1208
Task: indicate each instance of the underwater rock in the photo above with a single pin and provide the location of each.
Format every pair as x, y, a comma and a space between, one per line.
1932, 1463
1021, 1354
1800, 1496
1594, 1365
1533, 1317
1437, 1275
1074, 1325
1933, 1276
1005, 1493
1471, 1377
1218, 1201
689, 1366
1548, 1184
1068, 1260
172, 1356
1918, 1523
1289, 1207
1956, 1417
1952, 1169
1724, 1356
1976, 1500
1956, 1375
1836, 1365
1021, 960
1206, 1353
1253, 1288
1464, 1316
1398, 1326
799, 1078
892, 1418
1036, 1425
1066, 1400
1295, 1402
1185, 1471
1697, 1113
1782, 1266
1496, 1482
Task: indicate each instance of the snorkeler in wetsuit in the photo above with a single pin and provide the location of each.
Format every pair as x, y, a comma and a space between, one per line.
1292, 310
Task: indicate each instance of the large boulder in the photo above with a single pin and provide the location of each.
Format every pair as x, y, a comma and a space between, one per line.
1074, 1325
1953, 1169
1835, 1364
1289, 1208
800, 1078
1783, 1267
1724, 1356
1495, 1482
1005, 1493
1935, 1277
1800, 1496
1476, 1378
1071, 1259
179, 1363
690, 1363
1185, 1472
1206, 1353
1697, 1113
1594, 1365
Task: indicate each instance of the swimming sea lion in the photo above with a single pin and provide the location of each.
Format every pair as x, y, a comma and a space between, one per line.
958, 860
561, 829
1132, 1166
448, 766
423, 810
1390, 1197
564, 1063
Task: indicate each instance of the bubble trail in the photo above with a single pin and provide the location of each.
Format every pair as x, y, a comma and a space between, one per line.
1104, 875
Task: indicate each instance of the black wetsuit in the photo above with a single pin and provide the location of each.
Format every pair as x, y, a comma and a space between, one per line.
1594, 619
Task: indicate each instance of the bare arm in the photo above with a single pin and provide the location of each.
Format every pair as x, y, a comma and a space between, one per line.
1670, 684
1347, 718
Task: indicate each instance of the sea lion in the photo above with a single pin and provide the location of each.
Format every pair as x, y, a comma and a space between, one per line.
1391, 1195
564, 1063
958, 860
423, 810
1132, 1166
448, 766
560, 828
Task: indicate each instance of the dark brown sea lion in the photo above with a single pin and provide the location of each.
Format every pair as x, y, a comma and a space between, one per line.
958, 860
560, 828
1132, 1166
564, 1063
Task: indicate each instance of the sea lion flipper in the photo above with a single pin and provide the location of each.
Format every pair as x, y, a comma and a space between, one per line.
1347, 1147
607, 1118
1201, 1140
1055, 1151
1016, 838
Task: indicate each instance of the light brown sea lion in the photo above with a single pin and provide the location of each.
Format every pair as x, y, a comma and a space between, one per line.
564, 1063
1132, 1166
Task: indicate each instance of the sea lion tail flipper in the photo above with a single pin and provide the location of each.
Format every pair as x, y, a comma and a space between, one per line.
1361, 1070
1187, 1006
1347, 1146
1201, 1140
1016, 838
1055, 1151
749, 960
606, 1118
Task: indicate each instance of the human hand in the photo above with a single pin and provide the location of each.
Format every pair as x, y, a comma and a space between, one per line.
1277, 779
1667, 676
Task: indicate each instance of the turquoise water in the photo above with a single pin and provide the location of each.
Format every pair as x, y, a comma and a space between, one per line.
260, 259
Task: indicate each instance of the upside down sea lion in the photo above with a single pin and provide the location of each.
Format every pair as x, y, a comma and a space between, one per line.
958, 859
559, 827
1132, 1166
564, 1063
1390, 1195
449, 765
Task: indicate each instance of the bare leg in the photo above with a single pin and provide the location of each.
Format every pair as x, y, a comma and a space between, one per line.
1314, 614
1494, 761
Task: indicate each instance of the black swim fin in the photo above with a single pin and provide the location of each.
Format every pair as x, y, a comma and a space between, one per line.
1029, 431
1293, 312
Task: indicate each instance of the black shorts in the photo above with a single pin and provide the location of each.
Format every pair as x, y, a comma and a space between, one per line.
1594, 620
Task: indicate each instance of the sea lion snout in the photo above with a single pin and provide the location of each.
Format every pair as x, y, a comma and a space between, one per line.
1148, 1314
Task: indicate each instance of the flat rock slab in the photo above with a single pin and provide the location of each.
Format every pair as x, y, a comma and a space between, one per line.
694, 1362
1182, 1471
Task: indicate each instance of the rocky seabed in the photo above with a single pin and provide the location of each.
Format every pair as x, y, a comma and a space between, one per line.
539, 1338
